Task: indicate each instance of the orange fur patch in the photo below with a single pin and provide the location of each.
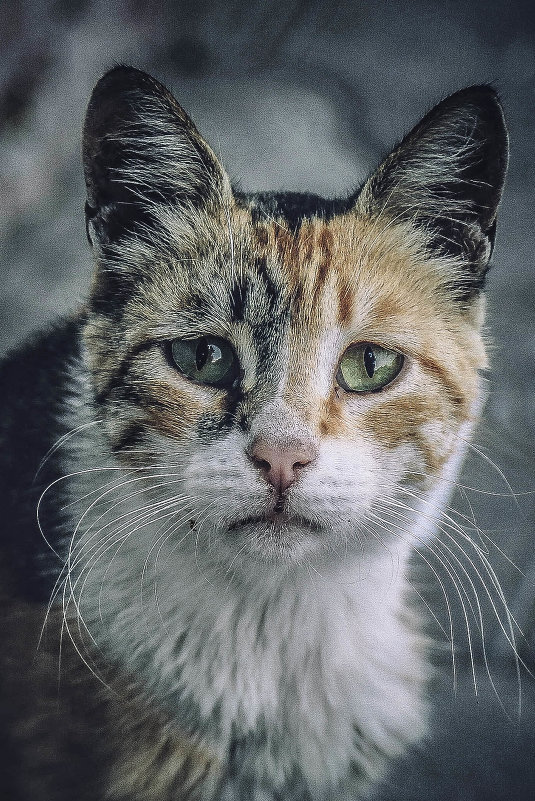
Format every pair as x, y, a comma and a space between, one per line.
386, 292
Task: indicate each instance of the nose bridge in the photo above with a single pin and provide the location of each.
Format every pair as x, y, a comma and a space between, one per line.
306, 381
280, 426
286, 407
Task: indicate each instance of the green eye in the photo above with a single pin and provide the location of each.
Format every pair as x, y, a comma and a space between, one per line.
207, 360
367, 368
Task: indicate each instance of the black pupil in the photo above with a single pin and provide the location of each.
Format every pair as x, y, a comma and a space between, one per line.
204, 350
369, 361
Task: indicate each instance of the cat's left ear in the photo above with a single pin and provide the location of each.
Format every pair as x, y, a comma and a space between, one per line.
141, 150
446, 177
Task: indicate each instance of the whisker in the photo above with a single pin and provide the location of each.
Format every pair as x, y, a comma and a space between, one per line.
61, 441
445, 529
512, 495
402, 532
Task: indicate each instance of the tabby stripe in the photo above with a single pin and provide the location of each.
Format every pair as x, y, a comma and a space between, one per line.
118, 379
456, 392
272, 291
345, 302
287, 249
132, 435
238, 299
325, 242
262, 236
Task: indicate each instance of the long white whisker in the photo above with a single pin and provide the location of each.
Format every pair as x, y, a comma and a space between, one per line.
61, 441
445, 529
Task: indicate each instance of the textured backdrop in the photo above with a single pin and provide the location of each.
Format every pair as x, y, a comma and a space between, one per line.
308, 95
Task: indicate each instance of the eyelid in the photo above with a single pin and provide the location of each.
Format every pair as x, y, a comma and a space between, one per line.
375, 343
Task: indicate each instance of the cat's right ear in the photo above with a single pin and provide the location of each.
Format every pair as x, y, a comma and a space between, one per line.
446, 179
142, 151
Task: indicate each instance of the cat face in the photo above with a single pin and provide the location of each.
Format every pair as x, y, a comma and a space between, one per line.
303, 369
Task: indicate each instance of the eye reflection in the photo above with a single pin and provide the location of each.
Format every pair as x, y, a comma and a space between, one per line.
365, 367
206, 360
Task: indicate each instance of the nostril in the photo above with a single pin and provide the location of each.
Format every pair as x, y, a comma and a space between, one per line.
281, 464
262, 455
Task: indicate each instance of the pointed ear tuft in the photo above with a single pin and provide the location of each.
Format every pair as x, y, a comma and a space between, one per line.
446, 177
140, 148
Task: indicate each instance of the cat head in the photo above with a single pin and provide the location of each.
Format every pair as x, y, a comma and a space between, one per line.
304, 368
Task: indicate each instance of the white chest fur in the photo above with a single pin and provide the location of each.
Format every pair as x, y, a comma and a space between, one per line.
318, 671
315, 669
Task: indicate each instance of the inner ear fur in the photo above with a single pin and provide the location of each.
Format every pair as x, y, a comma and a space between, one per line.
447, 176
140, 148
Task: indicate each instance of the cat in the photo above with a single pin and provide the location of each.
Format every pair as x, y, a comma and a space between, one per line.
215, 473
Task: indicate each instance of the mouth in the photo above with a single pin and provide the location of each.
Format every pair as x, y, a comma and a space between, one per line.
275, 522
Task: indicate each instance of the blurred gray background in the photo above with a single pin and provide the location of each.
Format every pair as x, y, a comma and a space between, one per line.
307, 95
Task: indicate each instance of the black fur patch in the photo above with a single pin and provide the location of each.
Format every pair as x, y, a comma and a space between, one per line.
133, 130
273, 290
447, 176
238, 299
111, 292
35, 386
131, 438
292, 207
118, 381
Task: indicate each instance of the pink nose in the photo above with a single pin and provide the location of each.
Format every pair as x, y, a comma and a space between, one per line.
281, 464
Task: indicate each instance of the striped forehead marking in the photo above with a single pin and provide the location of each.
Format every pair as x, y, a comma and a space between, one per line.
314, 257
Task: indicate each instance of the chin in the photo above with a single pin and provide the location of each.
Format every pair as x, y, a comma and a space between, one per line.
278, 539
